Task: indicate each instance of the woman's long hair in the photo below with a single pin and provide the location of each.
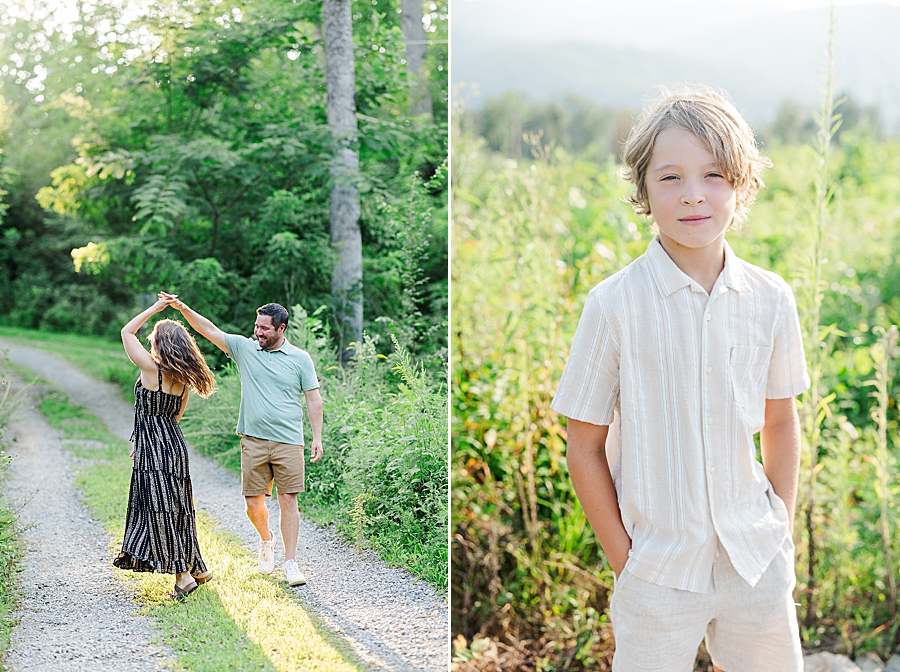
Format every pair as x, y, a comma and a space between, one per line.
177, 354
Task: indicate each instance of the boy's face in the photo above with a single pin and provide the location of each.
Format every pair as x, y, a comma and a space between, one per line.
690, 200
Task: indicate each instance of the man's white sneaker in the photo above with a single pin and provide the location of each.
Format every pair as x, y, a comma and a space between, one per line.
292, 573
267, 555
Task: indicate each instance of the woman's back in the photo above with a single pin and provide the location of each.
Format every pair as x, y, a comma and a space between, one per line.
151, 382
165, 400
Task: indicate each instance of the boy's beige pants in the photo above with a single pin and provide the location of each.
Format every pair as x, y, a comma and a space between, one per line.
747, 629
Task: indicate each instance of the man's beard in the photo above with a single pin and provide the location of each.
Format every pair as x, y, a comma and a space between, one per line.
266, 343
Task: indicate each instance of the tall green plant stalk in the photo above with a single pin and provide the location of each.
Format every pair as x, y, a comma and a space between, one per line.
883, 352
360, 518
814, 407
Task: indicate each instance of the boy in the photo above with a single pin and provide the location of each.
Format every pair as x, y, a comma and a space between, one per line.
695, 351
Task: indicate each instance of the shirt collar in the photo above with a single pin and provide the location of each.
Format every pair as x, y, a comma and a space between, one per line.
669, 278
733, 274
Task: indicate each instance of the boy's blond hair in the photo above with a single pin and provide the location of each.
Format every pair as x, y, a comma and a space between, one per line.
713, 118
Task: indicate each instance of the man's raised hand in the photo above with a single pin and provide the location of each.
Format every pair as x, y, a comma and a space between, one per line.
171, 300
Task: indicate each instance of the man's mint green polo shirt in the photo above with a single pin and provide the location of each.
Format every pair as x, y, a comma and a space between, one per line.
272, 383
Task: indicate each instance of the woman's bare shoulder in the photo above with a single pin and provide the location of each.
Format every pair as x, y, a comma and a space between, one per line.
149, 378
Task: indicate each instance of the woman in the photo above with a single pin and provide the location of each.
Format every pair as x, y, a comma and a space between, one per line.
160, 528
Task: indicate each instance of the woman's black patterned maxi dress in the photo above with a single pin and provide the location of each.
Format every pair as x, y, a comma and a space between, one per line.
160, 528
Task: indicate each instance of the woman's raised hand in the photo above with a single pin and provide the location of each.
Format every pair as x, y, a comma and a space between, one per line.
160, 305
171, 300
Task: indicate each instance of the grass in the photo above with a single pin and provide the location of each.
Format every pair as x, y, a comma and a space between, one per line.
11, 550
11, 547
240, 621
112, 367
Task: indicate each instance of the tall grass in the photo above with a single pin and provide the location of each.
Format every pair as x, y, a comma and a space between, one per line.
883, 352
814, 406
11, 548
529, 239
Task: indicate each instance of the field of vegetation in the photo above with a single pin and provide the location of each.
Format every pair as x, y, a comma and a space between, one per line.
531, 236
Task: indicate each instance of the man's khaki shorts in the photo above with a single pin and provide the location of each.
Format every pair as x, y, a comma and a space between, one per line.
263, 460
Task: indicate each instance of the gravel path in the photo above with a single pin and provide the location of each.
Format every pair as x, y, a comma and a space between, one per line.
391, 620
74, 613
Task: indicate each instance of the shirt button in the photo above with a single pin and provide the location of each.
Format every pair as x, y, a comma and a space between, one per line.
712, 470
708, 317
709, 421
709, 369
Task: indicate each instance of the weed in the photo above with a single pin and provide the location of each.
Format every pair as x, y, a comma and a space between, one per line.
814, 406
359, 517
884, 352
11, 547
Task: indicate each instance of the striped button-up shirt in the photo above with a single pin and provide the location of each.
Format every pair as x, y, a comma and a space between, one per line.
688, 374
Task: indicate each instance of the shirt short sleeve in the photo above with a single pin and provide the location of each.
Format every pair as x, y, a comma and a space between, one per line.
308, 378
589, 388
235, 344
788, 375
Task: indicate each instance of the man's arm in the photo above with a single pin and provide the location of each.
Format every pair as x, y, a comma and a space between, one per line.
200, 324
314, 408
589, 471
779, 443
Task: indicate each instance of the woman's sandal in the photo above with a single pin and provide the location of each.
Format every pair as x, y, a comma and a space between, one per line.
179, 594
202, 578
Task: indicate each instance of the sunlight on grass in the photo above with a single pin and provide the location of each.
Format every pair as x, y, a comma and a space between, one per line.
241, 620
252, 603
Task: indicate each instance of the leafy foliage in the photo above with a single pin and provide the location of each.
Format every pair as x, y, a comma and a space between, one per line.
187, 134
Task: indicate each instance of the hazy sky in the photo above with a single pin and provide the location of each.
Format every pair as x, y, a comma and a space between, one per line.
803, 4
612, 51
637, 23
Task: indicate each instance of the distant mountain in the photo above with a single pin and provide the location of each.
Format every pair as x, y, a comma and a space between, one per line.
761, 58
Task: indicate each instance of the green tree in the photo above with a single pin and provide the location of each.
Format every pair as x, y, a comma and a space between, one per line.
186, 133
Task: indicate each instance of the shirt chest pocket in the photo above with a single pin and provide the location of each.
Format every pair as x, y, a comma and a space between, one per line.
749, 373
281, 378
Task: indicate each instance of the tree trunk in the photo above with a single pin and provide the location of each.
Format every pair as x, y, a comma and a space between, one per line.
340, 80
414, 35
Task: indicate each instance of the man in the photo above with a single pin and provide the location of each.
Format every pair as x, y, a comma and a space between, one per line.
273, 374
